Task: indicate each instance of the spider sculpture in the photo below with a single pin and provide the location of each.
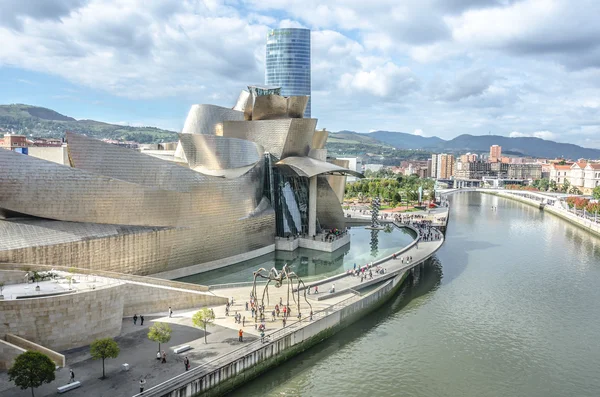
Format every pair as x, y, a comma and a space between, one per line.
279, 278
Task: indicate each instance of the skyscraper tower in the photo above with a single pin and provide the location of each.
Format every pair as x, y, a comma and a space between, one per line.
288, 62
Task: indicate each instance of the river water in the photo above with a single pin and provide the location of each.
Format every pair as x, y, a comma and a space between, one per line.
510, 306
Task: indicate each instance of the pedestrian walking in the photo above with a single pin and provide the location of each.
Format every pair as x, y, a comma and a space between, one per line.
316, 289
141, 320
142, 384
283, 322
170, 312
134, 319
164, 357
241, 335
280, 301
186, 362
244, 321
246, 306
212, 312
71, 376
310, 315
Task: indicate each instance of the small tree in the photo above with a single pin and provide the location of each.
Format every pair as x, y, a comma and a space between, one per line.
31, 370
202, 318
103, 349
160, 332
596, 193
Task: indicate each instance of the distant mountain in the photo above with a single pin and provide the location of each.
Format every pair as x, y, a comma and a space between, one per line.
535, 147
46, 123
407, 141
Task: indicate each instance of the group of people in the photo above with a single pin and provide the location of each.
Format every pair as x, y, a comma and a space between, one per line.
135, 318
427, 231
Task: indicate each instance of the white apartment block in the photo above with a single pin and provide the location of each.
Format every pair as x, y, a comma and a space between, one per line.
585, 176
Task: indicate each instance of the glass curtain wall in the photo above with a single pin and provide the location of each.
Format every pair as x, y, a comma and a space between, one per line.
288, 62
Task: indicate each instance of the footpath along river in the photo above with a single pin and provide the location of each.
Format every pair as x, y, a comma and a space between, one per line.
510, 306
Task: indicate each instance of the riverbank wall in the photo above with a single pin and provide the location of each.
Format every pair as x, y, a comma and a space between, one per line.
578, 221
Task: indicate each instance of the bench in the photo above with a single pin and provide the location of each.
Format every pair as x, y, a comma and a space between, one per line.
69, 386
182, 349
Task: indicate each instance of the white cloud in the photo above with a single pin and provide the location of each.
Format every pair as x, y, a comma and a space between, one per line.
442, 66
385, 81
547, 135
418, 132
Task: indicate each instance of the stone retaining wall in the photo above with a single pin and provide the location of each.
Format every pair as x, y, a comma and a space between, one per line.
65, 321
58, 358
8, 353
142, 299
117, 276
12, 276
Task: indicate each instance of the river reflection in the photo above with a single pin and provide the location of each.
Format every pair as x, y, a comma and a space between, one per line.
365, 246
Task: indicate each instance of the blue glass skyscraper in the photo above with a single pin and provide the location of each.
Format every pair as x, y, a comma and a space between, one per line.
288, 62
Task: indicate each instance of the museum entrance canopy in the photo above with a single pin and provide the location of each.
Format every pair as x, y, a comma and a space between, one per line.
309, 167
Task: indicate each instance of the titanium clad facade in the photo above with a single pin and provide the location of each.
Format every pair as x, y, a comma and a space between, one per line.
282, 138
329, 211
288, 62
204, 119
218, 155
116, 209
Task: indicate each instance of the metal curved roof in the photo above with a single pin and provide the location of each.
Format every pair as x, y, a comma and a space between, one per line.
309, 167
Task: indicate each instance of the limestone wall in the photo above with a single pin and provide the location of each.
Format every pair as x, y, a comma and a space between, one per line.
8, 353
58, 358
12, 276
118, 276
65, 321
145, 299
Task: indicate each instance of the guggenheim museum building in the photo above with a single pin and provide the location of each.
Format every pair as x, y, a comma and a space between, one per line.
240, 178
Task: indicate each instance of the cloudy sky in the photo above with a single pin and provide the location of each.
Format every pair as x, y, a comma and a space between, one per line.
430, 67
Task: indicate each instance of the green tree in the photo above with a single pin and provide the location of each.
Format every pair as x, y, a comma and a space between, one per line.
552, 186
102, 349
31, 370
596, 193
543, 184
160, 333
575, 190
565, 186
202, 318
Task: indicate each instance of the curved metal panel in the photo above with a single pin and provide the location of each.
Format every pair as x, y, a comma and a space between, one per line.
49, 190
271, 107
281, 138
309, 167
219, 153
129, 165
338, 182
242, 100
203, 119
319, 139
329, 211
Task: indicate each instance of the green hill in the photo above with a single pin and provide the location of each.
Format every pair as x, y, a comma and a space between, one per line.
46, 123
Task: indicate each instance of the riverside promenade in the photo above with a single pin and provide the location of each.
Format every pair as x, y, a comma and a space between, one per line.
330, 313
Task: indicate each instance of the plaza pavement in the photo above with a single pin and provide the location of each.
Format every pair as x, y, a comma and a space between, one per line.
140, 353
